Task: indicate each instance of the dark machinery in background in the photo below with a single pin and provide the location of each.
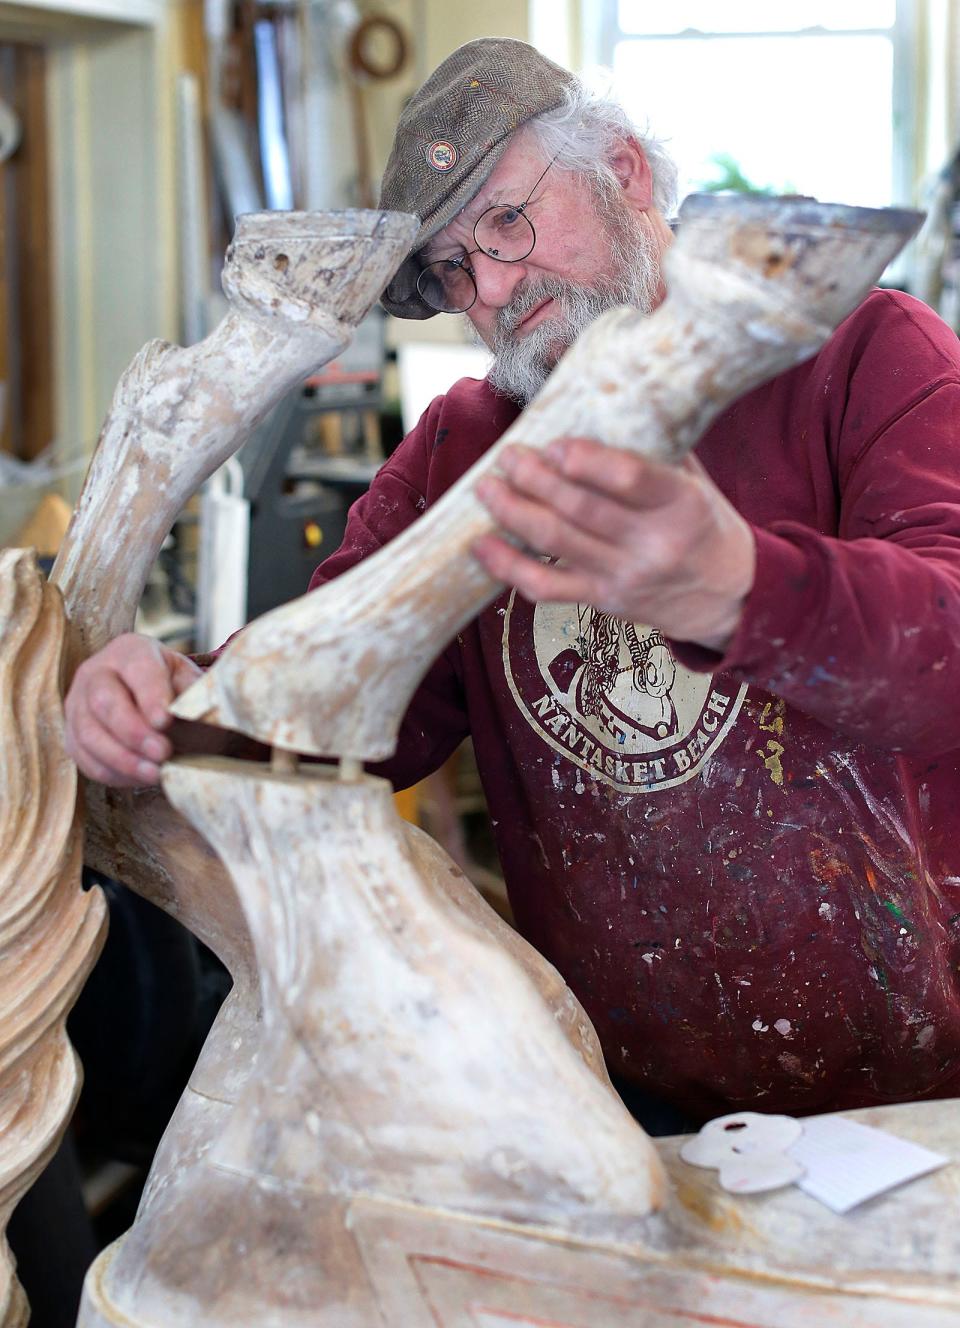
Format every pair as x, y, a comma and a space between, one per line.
313, 456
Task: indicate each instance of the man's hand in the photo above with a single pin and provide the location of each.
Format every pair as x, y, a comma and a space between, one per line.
648, 542
116, 710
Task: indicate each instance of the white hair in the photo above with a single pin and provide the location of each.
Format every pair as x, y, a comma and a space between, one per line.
582, 133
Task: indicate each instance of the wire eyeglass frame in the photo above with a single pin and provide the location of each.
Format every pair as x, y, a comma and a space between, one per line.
435, 291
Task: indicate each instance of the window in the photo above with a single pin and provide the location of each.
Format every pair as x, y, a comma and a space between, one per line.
792, 96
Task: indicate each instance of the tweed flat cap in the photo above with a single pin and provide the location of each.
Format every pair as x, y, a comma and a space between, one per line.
451, 135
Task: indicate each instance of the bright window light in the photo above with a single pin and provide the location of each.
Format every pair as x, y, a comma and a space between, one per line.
790, 114
654, 16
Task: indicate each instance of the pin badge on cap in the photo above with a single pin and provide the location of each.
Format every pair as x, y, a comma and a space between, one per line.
441, 155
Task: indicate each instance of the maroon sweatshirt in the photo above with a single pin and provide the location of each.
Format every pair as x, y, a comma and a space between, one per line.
748, 867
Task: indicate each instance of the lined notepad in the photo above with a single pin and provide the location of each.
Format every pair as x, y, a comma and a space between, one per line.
846, 1163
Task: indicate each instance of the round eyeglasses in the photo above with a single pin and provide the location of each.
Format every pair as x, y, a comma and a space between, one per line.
504, 232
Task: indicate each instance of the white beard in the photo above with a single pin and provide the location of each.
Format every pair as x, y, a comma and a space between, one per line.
523, 364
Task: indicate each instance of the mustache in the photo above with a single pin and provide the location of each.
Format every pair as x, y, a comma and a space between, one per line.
631, 276
527, 298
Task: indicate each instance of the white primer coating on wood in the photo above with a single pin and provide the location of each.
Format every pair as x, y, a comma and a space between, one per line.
297, 284
406, 1053
754, 286
361, 951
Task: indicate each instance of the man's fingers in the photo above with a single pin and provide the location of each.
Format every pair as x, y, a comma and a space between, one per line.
148, 673
531, 473
634, 481
183, 674
117, 710
540, 526
100, 756
534, 579
646, 541
110, 706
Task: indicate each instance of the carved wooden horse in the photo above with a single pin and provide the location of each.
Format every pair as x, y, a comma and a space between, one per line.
427, 1136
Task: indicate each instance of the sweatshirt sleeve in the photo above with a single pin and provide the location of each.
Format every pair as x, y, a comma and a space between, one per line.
862, 630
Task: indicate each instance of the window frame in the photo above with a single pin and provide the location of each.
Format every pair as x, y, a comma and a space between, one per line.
601, 32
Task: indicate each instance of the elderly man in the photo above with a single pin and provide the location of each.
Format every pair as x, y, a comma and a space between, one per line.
716, 720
